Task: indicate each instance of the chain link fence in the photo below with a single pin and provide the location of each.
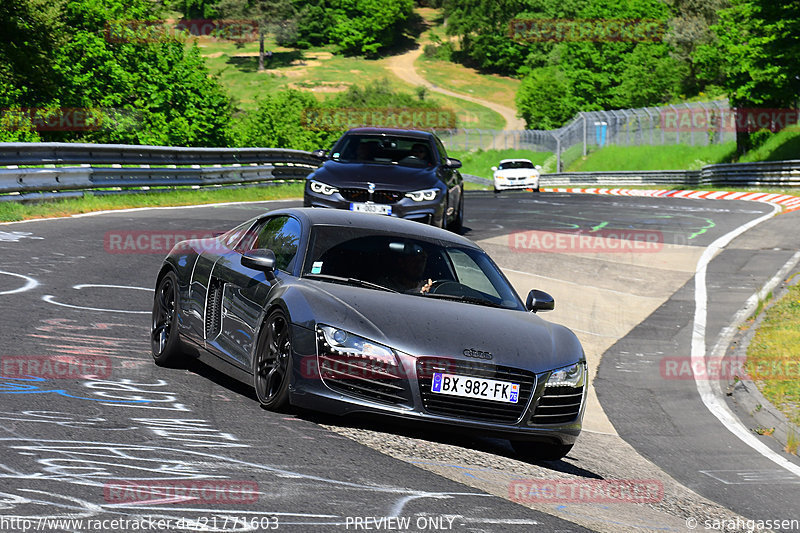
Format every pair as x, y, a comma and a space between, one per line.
696, 124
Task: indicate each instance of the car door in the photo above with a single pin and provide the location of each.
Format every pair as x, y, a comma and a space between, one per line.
241, 293
209, 251
450, 177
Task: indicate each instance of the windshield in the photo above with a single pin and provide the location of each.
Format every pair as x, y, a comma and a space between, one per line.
515, 164
435, 269
385, 149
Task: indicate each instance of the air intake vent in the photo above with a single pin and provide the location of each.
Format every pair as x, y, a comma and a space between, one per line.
214, 309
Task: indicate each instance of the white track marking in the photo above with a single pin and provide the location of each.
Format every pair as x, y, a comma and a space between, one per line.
135, 209
714, 402
49, 298
30, 283
92, 285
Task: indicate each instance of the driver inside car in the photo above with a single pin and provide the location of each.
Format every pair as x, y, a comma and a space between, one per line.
420, 151
410, 262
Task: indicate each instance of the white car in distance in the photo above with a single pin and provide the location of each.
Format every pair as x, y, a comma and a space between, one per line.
516, 174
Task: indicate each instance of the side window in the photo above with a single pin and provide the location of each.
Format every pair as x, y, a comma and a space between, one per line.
281, 235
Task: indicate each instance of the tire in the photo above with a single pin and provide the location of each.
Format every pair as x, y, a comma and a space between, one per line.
164, 337
541, 451
272, 362
458, 222
496, 190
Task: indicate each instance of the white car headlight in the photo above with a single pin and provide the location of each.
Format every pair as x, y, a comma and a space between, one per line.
340, 342
569, 376
426, 195
322, 188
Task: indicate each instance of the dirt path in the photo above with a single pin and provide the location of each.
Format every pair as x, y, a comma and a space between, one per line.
403, 67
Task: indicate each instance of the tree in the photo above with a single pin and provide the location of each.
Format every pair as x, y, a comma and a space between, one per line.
278, 123
149, 86
690, 32
546, 99
759, 43
273, 16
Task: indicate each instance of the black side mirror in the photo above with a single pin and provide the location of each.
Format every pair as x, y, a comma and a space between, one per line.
320, 154
259, 259
452, 163
539, 301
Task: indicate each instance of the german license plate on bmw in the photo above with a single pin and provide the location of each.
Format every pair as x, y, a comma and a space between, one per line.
378, 209
478, 388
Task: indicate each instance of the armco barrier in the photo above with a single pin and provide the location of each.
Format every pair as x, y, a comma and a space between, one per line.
766, 174
72, 168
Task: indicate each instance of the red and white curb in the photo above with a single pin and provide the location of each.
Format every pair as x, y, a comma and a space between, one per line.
788, 202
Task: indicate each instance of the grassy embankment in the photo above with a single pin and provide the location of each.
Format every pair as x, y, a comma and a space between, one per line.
773, 360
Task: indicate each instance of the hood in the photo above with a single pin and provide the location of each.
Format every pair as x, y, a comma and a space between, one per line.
392, 177
425, 326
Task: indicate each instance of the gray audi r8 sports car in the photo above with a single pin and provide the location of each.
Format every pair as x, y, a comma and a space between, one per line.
346, 312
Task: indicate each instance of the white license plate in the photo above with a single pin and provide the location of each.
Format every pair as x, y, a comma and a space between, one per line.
378, 209
469, 387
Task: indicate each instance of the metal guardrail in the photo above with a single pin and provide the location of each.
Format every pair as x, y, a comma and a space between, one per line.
93, 167
766, 174
106, 169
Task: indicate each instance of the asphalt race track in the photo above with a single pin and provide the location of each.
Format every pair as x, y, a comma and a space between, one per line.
83, 286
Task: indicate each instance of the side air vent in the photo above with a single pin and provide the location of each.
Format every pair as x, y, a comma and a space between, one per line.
214, 309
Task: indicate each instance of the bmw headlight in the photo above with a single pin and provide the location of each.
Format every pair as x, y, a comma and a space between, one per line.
568, 376
322, 188
337, 341
426, 195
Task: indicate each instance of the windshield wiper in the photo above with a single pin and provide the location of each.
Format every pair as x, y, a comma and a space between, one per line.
467, 299
351, 281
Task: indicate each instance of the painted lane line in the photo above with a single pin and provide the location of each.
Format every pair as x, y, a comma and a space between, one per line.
30, 283
135, 209
714, 402
49, 298
101, 286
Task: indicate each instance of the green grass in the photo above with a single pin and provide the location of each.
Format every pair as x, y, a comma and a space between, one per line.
480, 163
323, 73
773, 356
781, 146
464, 80
668, 157
13, 211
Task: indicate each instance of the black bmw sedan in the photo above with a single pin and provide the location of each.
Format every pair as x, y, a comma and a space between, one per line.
400, 173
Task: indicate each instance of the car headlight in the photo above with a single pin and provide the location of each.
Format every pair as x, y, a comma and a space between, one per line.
569, 376
322, 188
423, 196
337, 341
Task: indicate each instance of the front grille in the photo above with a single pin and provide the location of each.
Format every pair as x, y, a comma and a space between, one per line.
558, 405
365, 377
378, 197
469, 408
